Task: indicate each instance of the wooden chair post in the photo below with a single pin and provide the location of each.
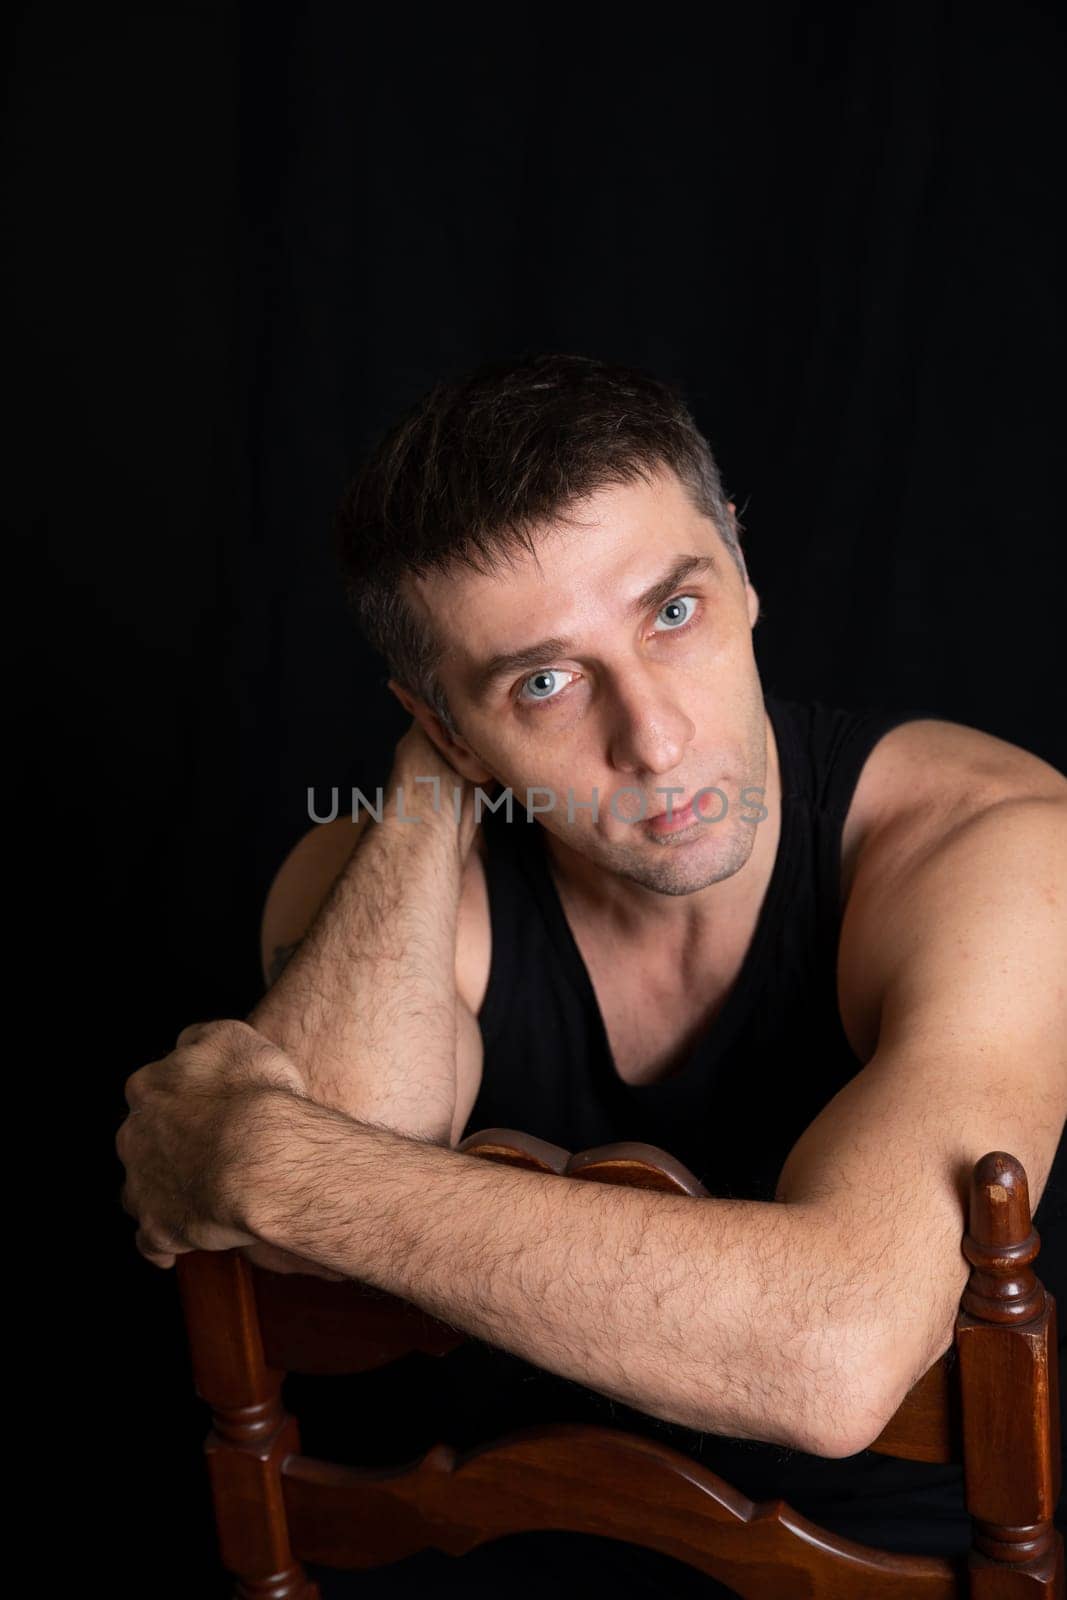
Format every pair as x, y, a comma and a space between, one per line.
997, 1404
251, 1433
1006, 1341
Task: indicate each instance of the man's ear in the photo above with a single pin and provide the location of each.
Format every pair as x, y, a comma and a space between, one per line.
456, 751
751, 597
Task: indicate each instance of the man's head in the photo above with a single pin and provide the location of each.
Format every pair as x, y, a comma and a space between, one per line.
547, 500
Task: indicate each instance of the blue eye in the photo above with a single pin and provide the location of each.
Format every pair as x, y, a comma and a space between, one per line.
675, 605
547, 683
546, 691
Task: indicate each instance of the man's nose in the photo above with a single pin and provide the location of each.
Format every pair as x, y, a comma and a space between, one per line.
649, 730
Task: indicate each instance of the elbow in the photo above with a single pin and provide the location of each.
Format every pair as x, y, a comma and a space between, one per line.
846, 1415
849, 1439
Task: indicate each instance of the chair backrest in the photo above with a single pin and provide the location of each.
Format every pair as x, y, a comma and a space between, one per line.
995, 1407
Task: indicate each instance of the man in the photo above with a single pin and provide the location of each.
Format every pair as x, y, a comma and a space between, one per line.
817, 955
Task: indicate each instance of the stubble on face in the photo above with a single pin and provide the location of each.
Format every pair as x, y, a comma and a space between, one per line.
727, 743
692, 859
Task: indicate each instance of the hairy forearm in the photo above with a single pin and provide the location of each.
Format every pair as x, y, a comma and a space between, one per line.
703, 1312
366, 1004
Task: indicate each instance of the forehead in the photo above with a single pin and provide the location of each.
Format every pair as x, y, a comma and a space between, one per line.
578, 578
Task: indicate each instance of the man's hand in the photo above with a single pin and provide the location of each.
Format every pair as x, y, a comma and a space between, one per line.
181, 1144
430, 787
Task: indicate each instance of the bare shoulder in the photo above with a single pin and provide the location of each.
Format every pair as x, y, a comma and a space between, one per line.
925, 776
921, 782
473, 932
300, 886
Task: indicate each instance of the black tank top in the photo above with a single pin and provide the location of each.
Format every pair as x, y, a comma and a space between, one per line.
772, 1059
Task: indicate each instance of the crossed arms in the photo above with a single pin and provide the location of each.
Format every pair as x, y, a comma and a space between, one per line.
803, 1321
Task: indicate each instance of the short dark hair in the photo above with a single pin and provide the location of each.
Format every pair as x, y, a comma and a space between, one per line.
465, 476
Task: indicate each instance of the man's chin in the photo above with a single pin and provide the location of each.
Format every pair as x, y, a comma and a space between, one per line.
680, 863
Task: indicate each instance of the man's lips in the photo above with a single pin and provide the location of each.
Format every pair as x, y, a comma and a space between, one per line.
681, 815
678, 803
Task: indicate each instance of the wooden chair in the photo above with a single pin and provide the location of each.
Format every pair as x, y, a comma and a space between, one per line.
996, 1408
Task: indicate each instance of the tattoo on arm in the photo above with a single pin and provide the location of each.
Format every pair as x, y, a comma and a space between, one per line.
279, 958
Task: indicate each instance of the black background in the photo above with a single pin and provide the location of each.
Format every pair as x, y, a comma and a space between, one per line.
243, 239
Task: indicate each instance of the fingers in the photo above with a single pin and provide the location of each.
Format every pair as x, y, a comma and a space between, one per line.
195, 1031
154, 1249
155, 1245
229, 1032
132, 1087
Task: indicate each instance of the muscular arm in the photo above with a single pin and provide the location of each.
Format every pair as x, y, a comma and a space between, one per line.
366, 1002
702, 1312
803, 1321
963, 941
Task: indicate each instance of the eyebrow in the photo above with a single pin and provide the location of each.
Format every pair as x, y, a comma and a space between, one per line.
486, 673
